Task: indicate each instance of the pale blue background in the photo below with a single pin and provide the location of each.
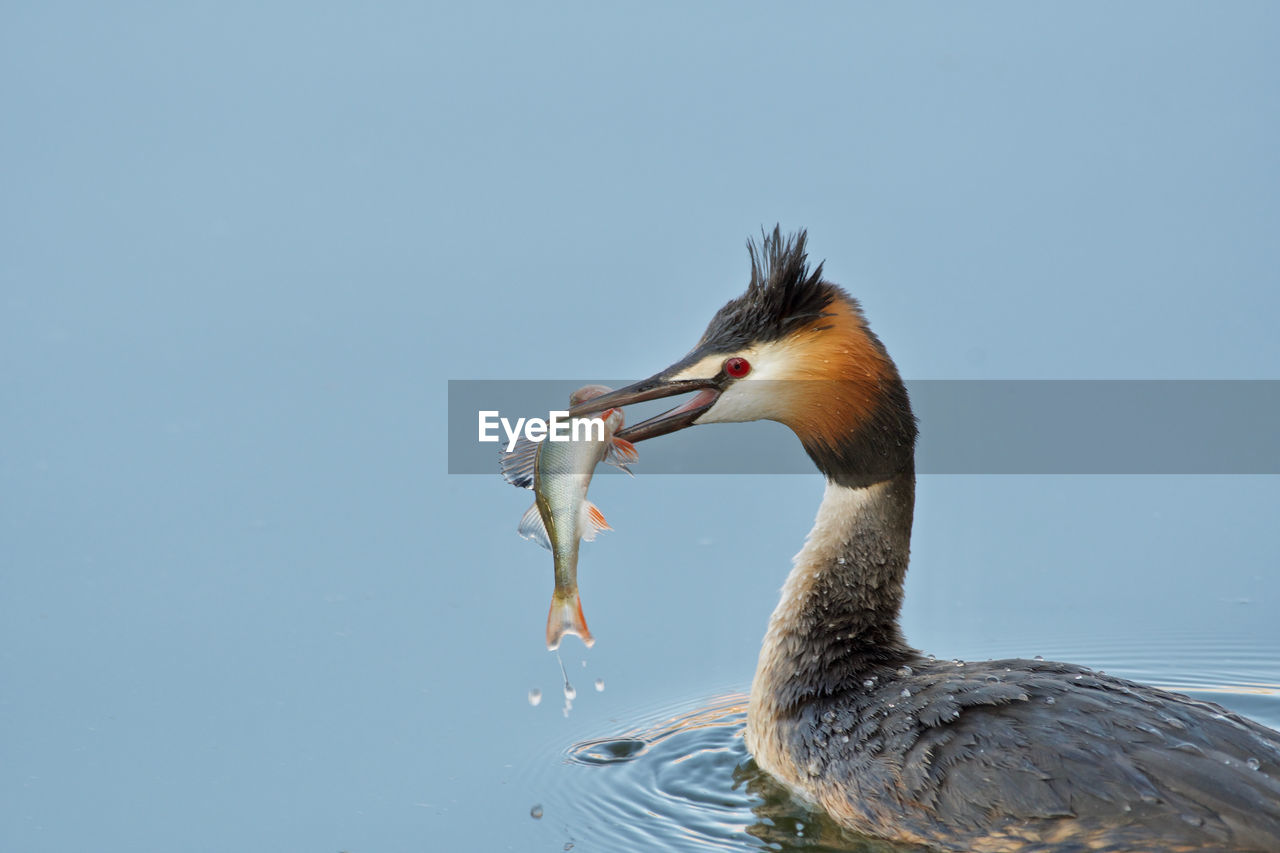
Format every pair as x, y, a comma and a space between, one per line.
243, 247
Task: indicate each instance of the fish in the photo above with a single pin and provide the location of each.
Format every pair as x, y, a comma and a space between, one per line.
559, 473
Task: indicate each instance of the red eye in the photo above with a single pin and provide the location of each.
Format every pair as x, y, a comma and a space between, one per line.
737, 367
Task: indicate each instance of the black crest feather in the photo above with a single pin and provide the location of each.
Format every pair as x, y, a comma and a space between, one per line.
783, 295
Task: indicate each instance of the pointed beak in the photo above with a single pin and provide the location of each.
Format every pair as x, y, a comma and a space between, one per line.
654, 388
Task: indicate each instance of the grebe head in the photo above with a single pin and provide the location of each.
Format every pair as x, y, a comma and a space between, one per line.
796, 349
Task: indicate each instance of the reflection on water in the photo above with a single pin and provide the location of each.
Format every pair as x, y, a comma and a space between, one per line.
682, 779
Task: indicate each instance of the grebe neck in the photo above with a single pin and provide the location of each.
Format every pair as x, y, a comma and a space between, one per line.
837, 620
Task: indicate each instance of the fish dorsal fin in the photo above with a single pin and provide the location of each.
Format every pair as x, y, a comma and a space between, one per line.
592, 521
621, 454
533, 527
518, 465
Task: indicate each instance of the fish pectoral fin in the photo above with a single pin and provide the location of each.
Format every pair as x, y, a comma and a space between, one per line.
621, 454
533, 527
592, 521
518, 466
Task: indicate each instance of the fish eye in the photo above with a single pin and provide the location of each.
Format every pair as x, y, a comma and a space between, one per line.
737, 367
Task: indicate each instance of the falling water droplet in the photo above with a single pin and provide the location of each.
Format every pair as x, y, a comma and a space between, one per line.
569, 692
535, 696
599, 685
1039, 657
933, 657
536, 812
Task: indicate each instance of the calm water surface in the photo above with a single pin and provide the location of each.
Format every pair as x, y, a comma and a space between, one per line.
681, 778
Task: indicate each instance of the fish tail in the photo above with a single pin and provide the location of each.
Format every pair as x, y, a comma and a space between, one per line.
565, 617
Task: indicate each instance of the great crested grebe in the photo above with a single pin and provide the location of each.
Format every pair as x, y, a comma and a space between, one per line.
991, 756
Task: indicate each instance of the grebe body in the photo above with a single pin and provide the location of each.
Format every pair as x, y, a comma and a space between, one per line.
1002, 755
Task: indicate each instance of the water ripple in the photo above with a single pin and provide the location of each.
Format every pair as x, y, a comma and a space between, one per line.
681, 779
684, 781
